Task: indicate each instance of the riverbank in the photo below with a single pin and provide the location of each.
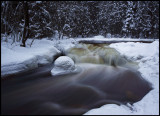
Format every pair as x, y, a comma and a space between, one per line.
103, 40
16, 59
147, 54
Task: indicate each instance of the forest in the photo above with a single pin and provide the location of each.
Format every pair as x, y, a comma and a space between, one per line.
39, 19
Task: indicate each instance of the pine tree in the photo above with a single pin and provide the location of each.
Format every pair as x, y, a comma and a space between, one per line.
129, 21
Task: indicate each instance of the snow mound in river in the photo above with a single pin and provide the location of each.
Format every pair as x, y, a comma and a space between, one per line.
64, 65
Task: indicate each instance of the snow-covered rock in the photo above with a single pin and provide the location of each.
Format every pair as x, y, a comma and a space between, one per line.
64, 65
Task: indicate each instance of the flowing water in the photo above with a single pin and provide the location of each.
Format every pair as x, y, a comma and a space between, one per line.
106, 77
99, 54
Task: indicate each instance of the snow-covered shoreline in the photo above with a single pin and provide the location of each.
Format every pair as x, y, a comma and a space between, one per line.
103, 39
147, 54
15, 59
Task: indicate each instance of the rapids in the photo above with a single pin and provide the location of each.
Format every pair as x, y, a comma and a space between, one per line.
99, 54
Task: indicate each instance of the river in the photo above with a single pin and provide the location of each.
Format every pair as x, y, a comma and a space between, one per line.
106, 77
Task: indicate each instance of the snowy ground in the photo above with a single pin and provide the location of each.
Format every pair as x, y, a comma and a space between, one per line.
147, 54
16, 59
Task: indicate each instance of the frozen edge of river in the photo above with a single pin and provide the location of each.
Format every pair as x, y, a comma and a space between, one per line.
19, 59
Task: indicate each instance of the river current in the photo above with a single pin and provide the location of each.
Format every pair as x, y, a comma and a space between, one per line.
106, 77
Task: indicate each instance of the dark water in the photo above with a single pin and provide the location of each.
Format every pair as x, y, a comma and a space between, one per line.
37, 92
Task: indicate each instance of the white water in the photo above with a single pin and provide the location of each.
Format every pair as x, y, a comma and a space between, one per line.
99, 54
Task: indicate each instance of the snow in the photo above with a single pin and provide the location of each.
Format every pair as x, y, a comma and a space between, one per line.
147, 54
63, 65
110, 109
16, 59
68, 43
38, 2
137, 51
102, 38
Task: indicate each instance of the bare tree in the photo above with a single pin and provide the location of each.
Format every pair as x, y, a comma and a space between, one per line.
26, 23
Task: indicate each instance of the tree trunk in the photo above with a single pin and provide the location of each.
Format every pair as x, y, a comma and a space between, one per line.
26, 25
59, 35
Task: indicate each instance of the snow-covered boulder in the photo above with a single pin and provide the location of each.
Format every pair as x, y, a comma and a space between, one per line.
64, 65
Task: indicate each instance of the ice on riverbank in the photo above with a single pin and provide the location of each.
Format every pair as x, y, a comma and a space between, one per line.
16, 59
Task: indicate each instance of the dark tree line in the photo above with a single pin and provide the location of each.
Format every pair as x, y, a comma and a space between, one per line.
38, 19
